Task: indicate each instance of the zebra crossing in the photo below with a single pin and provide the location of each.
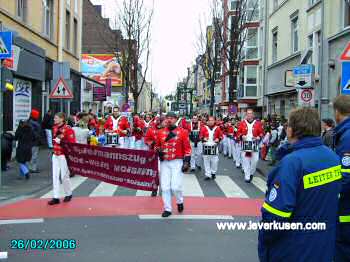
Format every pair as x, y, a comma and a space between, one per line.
230, 186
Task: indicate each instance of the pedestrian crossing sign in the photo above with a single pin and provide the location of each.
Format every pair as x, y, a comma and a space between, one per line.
61, 90
5, 45
345, 78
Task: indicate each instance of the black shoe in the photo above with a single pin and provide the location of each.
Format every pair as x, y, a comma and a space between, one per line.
34, 171
154, 193
180, 207
251, 178
27, 176
71, 175
53, 201
166, 214
213, 176
207, 178
67, 198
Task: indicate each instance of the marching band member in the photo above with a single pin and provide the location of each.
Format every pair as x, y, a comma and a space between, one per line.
250, 131
138, 131
229, 138
173, 146
236, 146
150, 139
211, 136
195, 127
61, 133
119, 125
147, 122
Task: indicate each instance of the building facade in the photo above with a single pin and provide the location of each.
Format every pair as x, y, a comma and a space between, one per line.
45, 31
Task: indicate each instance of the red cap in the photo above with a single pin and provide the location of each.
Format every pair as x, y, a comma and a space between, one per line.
35, 114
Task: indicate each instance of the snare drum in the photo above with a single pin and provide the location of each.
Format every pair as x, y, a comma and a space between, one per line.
112, 139
209, 150
250, 146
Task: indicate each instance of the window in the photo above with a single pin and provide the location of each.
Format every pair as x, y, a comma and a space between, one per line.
67, 30
76, 7
252, 10
234, 5
252, 44
346, 7
75, 37
48, 18
22, 9
274, 45
251, 81
295, 36
275, 4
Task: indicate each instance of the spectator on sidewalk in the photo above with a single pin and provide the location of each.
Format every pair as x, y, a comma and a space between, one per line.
25, 137
37, 134
328, 132
273, 144
6, 150
47, 125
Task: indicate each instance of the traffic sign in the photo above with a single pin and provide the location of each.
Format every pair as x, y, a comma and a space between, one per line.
306, 97
346, 53
61, 90
304, 76
345, 78
5, 45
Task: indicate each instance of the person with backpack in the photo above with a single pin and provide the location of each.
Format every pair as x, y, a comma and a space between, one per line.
273, 143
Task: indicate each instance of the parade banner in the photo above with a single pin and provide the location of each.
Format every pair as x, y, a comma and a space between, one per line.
136, 169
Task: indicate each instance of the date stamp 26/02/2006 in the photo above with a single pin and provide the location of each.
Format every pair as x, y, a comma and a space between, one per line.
43, 244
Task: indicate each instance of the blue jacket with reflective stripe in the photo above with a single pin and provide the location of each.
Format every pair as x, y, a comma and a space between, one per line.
304, 188
342, 148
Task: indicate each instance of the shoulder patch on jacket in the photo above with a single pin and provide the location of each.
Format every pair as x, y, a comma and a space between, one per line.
346, 160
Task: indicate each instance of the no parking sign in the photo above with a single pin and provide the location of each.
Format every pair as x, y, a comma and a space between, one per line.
306, 97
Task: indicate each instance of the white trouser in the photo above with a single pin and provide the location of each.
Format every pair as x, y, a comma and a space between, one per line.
249, 164
49, 138
224, 144
237, 153
210, 164
196, 155
171, 177
229, 146
60, 167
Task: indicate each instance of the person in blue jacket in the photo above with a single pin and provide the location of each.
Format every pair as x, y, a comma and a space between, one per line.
302, 188
341, 106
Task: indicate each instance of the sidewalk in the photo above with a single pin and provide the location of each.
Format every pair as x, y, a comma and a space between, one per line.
14, 186
263, 167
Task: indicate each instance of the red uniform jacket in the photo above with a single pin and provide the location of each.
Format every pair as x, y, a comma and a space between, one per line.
229, 131
177, 147
204, 134
257, 129
139, 126
123, 124
151, 136
66, 134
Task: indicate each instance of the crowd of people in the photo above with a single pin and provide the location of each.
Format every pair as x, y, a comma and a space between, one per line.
310, 181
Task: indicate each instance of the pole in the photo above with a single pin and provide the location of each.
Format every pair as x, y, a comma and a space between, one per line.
321, 62
1, 113
61, 105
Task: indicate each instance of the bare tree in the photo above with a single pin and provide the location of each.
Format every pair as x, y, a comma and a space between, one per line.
135, 20
209, 47
234, 36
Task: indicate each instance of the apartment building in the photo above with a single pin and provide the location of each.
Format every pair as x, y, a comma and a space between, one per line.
45, 31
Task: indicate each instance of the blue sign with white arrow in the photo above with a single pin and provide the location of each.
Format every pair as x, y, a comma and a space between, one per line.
345, 78
304, 76
5, 45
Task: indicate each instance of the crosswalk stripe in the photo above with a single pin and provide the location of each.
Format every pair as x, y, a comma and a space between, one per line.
259, 183
76, 181
104, 189
191, 186
229, 187
143, 193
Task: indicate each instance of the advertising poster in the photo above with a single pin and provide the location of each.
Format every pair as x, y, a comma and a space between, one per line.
102, 67
22, 101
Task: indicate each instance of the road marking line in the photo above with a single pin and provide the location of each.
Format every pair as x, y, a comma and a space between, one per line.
76, 181
21, 221
259, 183
143, 193
191, 186
104, 189
3, 255
183, 217
229, 187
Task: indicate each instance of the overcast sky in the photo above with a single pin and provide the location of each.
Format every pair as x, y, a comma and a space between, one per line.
174, 34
